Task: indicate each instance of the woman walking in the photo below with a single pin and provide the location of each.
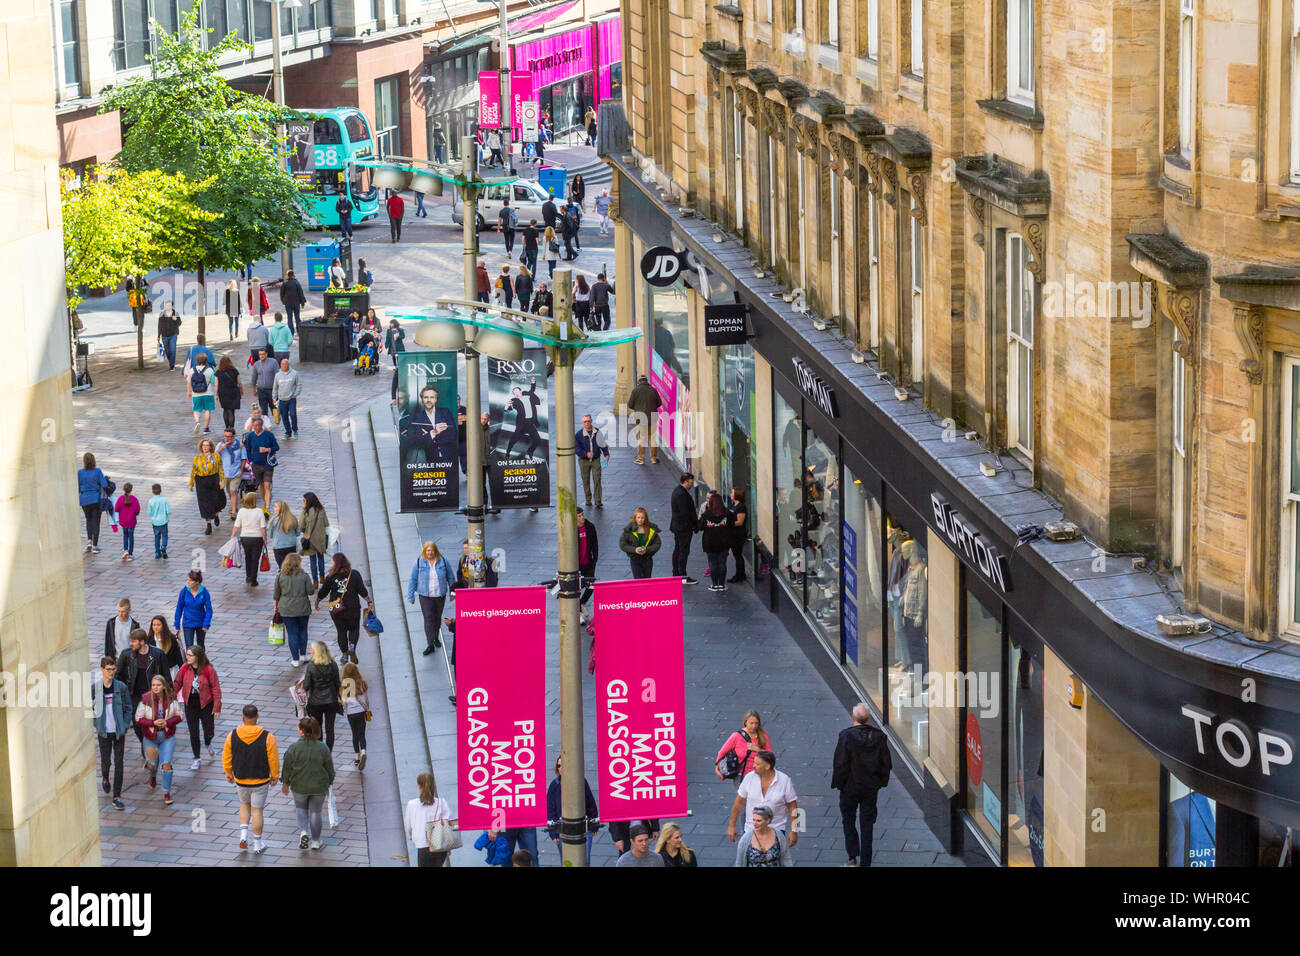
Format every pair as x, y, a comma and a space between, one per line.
293, 591
421, 811
230, 390
744, 743
552, 249
673, 849
524, 287
250, 527
322, 685
193, 614
344, 590
307, 770
581, 301
314, 526
715, 522
432, 580
198, 387
198, 687
92, 488
553, 808
233, 308
578, 192
157, 716
394, 340
764, 845
205, 482
284, 533
161, 637
505, 285
640, 541
356, 707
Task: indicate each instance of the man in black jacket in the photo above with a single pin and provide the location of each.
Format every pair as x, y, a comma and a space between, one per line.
550, 214
293, 298
137, 666
683, 525
601, 290
861, 767
117, 633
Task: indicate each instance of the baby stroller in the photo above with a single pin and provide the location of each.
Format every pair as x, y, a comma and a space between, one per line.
247, 480
367, 356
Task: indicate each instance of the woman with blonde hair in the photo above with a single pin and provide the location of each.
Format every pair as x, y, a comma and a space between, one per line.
250, 527
421, 811
432, 580
552, 249
284, 532
158, 715
323, 688
293, 593
744, 743
673, 848
233, 309
205, 482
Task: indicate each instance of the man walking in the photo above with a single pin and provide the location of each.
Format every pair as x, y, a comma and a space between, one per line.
644, 404
396, 209
439, 144
602, 210
293, 299
484, 282
861, 767
532, 237
506, 222
550, 214
261, 448
264, 372
137, 666
601, 290
169, 327
259, 339
683, 525
591, 447
232, 467
639, 854
112, 717
279, 337
251, 760
569, 232
344, 208
117, 633
285, 392
588, 545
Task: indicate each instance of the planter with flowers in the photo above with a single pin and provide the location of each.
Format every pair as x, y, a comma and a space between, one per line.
342, 301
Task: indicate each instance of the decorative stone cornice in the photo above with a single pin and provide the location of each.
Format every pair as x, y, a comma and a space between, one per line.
1005, 185
761, 77
1248, 320
904, 146
1273, 287
977, 210
1168, 261
720, 57
792, 91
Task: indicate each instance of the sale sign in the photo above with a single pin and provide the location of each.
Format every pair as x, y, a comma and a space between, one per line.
640, 699
489, 99
501, 707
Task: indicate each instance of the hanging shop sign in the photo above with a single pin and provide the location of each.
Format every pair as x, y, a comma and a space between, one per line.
662, 265
427, 439
991, 563
724, 324
489, 99
812, 385
528, 116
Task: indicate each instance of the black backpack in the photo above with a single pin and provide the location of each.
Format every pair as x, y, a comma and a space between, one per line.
198, 382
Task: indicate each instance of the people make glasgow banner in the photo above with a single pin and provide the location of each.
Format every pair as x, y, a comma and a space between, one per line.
640, 699
501, 707
427, 437
519, 447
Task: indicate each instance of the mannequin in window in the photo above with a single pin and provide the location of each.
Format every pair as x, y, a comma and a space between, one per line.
915, 596
897, 573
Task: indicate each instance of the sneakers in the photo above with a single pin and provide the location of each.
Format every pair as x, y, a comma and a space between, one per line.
118, 804
689, 580
361, 764
89, 545
94, 549
197, 428
316, 844
639, 461
295, 662
107, 786
259, 846
164, 553
196, 764
717, 587
850, 862
302, 840
210, 751
167, 797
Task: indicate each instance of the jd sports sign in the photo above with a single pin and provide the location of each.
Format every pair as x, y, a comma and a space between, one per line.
662, 266
811, 384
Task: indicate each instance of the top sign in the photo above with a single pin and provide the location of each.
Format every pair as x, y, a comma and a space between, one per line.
724, 324
811, 384
991, 563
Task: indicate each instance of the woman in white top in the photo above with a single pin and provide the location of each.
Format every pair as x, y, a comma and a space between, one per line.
250, 526
765, 786
552, 245
356, 707
338, 278
427, 808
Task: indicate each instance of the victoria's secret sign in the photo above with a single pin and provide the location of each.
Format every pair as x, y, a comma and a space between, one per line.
558, 58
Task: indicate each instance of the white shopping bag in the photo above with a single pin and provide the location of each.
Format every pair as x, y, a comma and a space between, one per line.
232, 554
331, 810
332, 533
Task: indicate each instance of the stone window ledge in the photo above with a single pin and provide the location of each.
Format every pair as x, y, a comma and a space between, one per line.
828, 56
1015, 112
730, 11
911, 87
1176, 178
866, 71
794, 44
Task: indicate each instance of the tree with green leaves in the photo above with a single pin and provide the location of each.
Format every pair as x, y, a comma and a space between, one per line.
185, 118
117, 223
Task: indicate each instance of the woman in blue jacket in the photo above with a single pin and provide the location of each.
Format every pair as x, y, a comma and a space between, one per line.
432, 580
193, 610
92, 489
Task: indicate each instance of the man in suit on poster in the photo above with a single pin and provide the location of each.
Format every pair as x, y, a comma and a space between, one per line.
429, 429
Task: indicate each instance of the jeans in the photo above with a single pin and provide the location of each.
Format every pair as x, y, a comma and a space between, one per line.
112, 751
604, 223
681, 552
289, 415
264, 401
485, 297
169, 349
509, 236
317, 566
440, 154
864, 808
550, 264
601, 322
196, 717
419, 205
345, 225
232, 323
395, 227
128, 540
717, 568
357, 724
252, 557
642, 565
295, 635
159, 540
292, 315
523, 838
324, 714
92, 513
530, 260
307, 808
166, 748
431, 608
194, 635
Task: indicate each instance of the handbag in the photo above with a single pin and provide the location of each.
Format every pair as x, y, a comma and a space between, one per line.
266, 563
441, 836
374, 626
730, 763
275, 414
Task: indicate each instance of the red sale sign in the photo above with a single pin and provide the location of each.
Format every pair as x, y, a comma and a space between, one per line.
489, 100
501, 707
974, 751
640, 699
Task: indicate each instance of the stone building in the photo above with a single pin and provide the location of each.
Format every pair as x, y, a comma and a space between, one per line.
1004, 262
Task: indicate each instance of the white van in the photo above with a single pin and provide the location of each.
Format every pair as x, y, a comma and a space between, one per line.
526, 197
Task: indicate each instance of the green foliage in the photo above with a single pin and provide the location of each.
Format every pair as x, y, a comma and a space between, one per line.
118, 224
185, 118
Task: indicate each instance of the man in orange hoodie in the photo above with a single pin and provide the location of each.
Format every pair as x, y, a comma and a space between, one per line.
252, 762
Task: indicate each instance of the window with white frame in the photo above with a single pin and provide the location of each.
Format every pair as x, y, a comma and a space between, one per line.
872, 47
738, 160
1020, 51
767, 10
771, 199
918, 295
67, 49
832, 22
1295, 91
1178, 462
799, 162
1288, 584
836, 258
917, 37
873, 269
1186, 74
796, 17
1020, 346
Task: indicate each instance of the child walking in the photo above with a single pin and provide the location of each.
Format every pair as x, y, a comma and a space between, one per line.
160, 512
356, 706
127, 510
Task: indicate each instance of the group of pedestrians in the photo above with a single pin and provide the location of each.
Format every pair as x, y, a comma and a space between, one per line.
724, 526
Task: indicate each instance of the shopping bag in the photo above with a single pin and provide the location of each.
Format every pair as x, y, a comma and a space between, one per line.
331, 809
275, 414
374, 626
162, 352
266, 563
298, 696
332, 536
231, 554
275, 634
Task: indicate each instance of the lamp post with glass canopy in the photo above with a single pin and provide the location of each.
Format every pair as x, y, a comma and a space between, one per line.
277, 94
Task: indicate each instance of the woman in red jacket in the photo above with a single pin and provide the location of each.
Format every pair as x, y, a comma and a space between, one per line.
197, 686
157, 717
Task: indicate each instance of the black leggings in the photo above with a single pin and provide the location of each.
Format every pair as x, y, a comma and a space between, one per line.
92, 513
228, 416
349, 631
194, 714
324, 715
358, 724
252, 557
431, 608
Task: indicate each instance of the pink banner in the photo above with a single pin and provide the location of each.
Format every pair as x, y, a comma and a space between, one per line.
609, 35
556, 58
501, 707
489, 100
640, 699
521, 90
664, 381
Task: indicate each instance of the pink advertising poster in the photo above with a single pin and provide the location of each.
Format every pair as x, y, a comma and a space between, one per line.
521, 91
489, 99
664, 381
640, 699
501, 707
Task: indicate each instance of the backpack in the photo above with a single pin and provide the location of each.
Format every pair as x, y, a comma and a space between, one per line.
554, 245
198, 382
508, 218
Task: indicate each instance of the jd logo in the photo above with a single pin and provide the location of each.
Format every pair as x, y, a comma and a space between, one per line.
661, 265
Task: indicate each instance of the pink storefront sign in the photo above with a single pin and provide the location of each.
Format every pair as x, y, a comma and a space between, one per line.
556, 58
489, 99
664, 381
640, 699
501, 707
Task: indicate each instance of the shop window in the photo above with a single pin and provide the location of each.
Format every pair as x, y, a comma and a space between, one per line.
868, 29
388, 117
1178, 464
907, 637
131, 33
67, 48
821, 519
1289, 583
863, 589
788, 482
616, 81
1186, 75
1020, 51
1295, 91
982, 730
1189, 826
1025, 800
1020, 346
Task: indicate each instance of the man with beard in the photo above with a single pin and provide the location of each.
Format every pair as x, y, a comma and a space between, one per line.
429, 429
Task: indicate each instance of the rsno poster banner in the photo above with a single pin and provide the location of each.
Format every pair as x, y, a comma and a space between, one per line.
426, 431
519, 447
640, 699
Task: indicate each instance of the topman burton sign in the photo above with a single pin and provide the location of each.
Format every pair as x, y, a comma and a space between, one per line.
811, 384
991, 563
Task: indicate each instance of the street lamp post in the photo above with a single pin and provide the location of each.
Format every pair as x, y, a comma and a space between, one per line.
277, 94
503, 64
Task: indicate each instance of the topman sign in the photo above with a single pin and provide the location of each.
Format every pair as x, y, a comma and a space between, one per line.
967, 540
811, 384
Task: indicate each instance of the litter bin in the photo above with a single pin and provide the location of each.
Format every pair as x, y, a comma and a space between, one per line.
319, 258
345, 302
553, 179
323, 342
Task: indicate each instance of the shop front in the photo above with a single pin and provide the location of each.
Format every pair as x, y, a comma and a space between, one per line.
573, 69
